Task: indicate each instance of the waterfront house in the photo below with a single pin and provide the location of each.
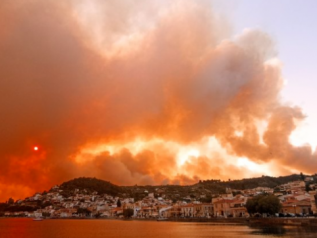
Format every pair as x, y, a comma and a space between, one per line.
296, 207
187, 210
230, 207
203, 210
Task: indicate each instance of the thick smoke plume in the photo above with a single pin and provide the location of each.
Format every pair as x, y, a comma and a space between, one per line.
137, 92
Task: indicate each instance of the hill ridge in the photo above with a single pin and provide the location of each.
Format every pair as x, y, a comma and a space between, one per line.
204, 188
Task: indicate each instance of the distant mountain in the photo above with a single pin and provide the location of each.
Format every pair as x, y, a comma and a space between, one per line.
264, 181
90, 185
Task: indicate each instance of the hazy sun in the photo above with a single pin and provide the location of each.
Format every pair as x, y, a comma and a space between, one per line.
35, 148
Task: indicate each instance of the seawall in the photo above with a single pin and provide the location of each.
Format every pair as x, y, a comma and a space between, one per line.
255, 221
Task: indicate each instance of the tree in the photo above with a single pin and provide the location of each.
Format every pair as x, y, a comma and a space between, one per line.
234, 193
3, 206
264, 204
127, 213
206, 199
98, 215
46, 204
46, 214
302, 176
277, 190
251, 205
11, 201
118, 203
83, 211
307, 187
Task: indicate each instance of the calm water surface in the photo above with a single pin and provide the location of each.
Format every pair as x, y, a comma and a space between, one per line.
27, 228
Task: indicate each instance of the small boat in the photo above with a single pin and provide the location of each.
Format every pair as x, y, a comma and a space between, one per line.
161, 219
38, 219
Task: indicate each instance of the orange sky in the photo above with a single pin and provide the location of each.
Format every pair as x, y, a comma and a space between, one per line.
138, 93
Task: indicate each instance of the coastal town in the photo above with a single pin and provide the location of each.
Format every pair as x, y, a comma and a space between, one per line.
297, 198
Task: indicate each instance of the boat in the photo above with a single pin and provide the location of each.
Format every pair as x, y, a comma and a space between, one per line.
161, 219
38, 219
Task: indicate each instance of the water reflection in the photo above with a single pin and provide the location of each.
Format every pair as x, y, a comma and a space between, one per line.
269, 230
26, 228
284, 231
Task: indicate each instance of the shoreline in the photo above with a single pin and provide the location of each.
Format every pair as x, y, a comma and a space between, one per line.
246, 221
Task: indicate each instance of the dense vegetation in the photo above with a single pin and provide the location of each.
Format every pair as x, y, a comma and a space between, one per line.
84, 211
202, 191
264, 181
90, 185
268, 204
5, 207
206, 189
128, 213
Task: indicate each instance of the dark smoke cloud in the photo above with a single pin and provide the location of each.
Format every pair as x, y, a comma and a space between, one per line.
71, 80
